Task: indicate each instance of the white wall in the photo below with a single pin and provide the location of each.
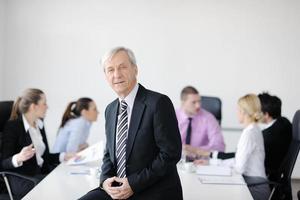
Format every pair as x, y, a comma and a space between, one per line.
2, 26
224, 48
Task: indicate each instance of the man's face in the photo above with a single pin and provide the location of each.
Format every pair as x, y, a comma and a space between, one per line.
121, 74
191, 104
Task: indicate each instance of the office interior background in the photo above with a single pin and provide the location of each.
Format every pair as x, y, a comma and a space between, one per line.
223, 48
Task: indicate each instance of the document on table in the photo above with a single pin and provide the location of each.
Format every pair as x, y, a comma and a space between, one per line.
226, 180
213, 170
90, 154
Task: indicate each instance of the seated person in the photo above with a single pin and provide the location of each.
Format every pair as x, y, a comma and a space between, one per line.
198, 127
277, 138
250, 153
24, 143
75, 126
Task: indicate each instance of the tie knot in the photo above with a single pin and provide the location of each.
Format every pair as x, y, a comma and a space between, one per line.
123, 105
190, 119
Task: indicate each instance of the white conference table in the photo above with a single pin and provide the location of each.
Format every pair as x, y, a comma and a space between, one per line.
60, 184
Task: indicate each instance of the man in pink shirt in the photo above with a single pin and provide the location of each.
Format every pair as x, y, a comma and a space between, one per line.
198, 127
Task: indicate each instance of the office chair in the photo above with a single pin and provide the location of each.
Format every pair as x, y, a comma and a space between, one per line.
212, 105
282, 186
6, 190
5, 110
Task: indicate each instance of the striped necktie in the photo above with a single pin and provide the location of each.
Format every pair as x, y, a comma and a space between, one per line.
122, 130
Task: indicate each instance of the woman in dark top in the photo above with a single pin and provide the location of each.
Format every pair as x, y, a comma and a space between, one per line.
25, 148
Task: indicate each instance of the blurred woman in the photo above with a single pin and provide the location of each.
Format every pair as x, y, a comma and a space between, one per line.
75, 126
25, 147
250, 154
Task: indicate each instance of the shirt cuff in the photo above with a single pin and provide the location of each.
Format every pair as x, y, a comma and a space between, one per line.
15, 162
214, 155
62, 157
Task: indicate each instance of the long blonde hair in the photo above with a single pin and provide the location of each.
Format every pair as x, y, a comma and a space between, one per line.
251, 106
22, 104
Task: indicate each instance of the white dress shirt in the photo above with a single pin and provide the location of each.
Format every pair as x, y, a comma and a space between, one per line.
250, 154
129, 99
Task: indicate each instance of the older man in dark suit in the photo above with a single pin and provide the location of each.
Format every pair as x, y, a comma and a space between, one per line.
143, 141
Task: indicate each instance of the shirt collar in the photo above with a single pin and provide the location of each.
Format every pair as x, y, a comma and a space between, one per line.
39, 123
270, 123
185, 116
129, 99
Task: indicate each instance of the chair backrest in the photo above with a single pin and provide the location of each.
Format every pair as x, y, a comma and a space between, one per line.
5, 110
213, 105
291, 157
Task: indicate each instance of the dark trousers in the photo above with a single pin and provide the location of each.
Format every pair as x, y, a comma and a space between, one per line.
97, 193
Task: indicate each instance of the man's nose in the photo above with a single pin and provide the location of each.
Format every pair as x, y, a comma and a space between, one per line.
117, 73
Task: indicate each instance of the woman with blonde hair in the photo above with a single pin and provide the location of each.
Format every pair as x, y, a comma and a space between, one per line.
250, 154
25, 147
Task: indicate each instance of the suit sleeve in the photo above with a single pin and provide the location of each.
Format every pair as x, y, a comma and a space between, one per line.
9, 148
51, 160
107, 168
168, 141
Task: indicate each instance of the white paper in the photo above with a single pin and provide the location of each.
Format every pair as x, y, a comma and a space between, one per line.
213, 170
227, 180
90, 154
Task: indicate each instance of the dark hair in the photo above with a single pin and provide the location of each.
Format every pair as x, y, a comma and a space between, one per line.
74, 109
270, 104
22, 104
188, 90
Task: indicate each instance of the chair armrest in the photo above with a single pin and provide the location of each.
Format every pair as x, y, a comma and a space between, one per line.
31, 179
255, 181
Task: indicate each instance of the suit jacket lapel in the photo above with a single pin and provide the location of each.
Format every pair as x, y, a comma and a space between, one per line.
136, 116
112, 121
26, 139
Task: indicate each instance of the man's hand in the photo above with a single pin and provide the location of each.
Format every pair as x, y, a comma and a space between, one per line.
108, 187
201, 162
123, 191
195, 151
25, 154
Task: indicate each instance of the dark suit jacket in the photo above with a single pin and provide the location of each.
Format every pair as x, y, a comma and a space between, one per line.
153, 147
277, 139
13, 139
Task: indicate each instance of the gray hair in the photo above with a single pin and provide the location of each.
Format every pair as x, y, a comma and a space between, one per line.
116, 50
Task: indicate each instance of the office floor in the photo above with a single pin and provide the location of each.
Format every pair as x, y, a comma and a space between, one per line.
295, 187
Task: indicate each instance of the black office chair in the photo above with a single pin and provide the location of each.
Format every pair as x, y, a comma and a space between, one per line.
5, 188
282, 187
298, 194
5, 110
213, 105
284, 183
